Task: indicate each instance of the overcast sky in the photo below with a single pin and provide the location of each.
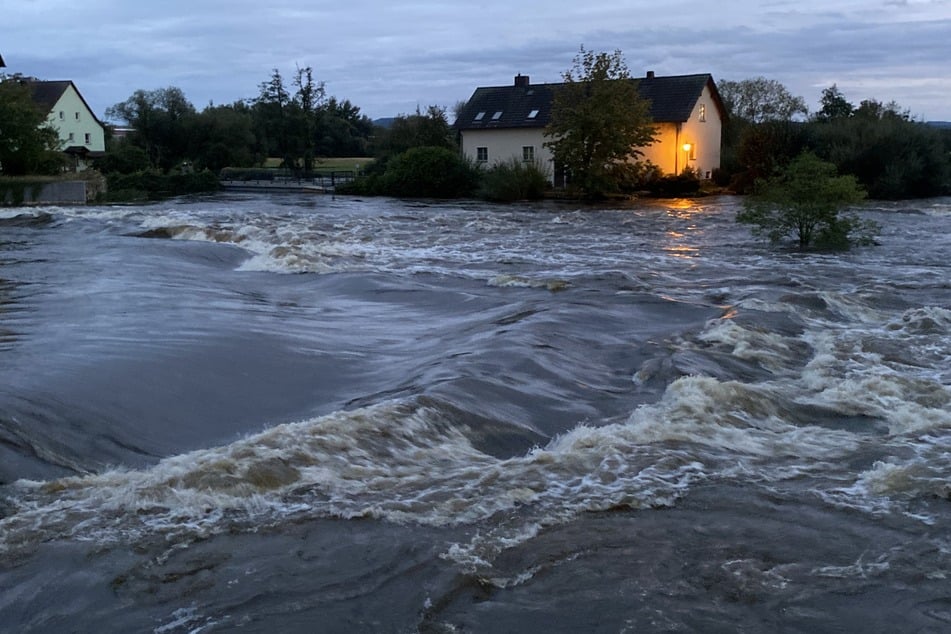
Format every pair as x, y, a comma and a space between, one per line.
387, 57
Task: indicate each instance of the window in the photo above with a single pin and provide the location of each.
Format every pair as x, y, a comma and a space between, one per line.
703, 112
71, 136
479, 116
497, 116
88, 138
77, 116
528, 153
62, 115
533, 114
482, 154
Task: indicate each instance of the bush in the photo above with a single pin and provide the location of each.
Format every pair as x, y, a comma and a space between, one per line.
806, 201
514, 180
152, 184
687, 183
421, 172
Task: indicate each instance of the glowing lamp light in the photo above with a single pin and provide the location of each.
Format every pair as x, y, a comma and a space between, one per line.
687, 147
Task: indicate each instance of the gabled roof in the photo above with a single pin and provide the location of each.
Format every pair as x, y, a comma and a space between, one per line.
672, 100
47, 93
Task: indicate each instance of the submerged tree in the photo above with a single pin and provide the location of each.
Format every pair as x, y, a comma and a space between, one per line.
807, 201
599, 122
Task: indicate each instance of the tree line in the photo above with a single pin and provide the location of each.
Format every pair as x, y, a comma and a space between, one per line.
297, 123
890, 154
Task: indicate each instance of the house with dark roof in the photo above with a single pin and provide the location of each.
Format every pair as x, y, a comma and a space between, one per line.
501, 122
81, 134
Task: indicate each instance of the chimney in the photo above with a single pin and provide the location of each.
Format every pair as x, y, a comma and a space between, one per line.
521, 81
650, 74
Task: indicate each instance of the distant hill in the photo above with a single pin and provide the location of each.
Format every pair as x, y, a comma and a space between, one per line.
384, 122
940, 124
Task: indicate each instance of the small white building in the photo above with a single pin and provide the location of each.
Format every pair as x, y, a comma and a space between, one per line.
81, 134
502, 122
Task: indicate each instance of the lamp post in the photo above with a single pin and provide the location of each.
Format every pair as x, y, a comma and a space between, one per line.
687, 147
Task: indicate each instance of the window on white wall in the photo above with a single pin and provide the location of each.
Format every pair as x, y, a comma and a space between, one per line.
62, 115
528, 153
71, 136
482, 154
703, 112
88, 138
77, 116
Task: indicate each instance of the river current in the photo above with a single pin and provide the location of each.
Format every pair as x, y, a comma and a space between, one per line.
309, 413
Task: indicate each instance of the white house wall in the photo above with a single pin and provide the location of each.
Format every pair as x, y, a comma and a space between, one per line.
70, 116
704, 136
505, 144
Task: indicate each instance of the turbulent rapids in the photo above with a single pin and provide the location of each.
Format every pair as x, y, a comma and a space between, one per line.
271, 413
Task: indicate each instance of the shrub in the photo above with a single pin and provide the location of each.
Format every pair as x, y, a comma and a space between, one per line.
153, 185
514, 180
421, 172
687, 183
806, 201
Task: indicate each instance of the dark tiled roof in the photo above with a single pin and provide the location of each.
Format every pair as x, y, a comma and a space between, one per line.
47, 93
672, 100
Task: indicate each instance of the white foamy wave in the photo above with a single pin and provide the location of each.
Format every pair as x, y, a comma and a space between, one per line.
517, 281
928, 320
397, 462
734, 419
768, 349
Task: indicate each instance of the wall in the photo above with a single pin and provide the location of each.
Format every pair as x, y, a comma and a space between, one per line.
704, 136
59, 192
507, 144
70, 104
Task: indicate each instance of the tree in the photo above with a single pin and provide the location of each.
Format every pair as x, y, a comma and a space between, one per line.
28, 144
160, 120
806, 201
431, 129
599, 122
834, 105
270, 115
759, 99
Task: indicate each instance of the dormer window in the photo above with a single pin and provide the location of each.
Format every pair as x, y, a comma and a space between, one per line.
533, 114
497, 116
479, 116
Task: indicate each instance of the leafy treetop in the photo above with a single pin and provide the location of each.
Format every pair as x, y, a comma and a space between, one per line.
598, 122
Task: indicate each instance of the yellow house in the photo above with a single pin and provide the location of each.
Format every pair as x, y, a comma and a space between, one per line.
502, 122
81, 134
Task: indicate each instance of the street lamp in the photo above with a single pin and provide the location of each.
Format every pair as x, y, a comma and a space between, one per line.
687, 147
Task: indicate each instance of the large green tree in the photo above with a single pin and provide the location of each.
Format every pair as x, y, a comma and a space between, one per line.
834, 105
807, 201
28, 144
161, 120
599, 122
760, 99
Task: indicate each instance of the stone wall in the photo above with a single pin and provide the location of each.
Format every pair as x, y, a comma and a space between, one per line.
59, 192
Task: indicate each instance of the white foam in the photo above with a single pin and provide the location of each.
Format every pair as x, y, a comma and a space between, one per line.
392, 461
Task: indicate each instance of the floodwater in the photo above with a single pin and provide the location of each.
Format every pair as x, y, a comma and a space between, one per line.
315, 414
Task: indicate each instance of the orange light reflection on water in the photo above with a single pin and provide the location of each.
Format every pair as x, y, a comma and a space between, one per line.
679, 247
